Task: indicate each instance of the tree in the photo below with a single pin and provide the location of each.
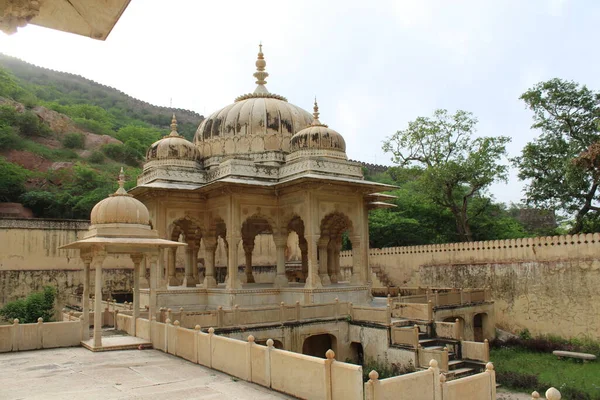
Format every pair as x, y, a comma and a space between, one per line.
28, 310
456, 166
12, 180
567, 115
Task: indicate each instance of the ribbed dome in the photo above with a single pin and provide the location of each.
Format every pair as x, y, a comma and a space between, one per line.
172, 147
318, 136
120, 208
254, 123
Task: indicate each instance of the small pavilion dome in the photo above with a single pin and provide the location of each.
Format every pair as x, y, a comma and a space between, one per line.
120, 208
173, 146
318, 139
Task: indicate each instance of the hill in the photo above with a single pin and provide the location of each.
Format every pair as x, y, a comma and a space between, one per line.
63, 138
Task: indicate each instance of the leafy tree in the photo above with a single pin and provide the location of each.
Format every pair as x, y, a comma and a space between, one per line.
567, 115
12, 180
456, 167
34, 306
9, 138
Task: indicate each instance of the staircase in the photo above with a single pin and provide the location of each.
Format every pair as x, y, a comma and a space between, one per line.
457, 367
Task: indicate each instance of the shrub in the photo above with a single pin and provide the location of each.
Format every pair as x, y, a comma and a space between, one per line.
96, 157
122, 153
12, 180
547, 344
34, 306
74, 141
9, 138
517, 380
29, 124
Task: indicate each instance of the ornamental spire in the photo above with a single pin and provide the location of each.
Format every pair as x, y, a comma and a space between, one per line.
316, 113
260, 73
121, 190
174, 126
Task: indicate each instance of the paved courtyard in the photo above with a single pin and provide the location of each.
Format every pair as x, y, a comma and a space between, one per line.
77, 373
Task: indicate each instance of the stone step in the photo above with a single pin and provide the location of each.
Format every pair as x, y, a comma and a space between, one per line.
424, 342
455, 364
433, 347
462, 372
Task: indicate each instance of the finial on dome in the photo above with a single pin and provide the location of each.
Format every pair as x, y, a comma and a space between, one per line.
121, 190
174, 126
260, 73
316, 110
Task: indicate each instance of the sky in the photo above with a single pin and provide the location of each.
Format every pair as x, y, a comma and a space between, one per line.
373, 65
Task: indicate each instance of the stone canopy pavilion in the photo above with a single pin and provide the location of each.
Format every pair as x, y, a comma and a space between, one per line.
258, 166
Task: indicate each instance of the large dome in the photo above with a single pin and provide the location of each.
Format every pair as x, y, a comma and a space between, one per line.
256, 123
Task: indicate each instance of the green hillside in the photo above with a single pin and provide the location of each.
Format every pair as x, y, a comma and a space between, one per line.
63, 138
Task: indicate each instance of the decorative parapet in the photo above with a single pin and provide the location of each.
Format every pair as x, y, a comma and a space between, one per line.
46, 224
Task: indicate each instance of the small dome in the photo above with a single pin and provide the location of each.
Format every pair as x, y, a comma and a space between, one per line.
319, 137
256, 122
120, 208
172, 146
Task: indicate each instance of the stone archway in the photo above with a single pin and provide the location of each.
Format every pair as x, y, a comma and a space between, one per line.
480, 327
189, 231
254, 225
333, 226
317, 345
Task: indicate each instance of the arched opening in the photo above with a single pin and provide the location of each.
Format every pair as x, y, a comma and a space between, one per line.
188, 231
216, 250
296, 226
479, 323
334, 228
317, 345
357, 353
252, 227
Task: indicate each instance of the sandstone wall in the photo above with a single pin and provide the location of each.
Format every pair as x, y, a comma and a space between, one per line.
548, 285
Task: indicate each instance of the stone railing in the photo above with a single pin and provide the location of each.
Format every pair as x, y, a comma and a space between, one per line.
413, 311
448, 297
476, 351
377, 315
448, 330
42, 335
424, 356
313, 378
431, 385
405, 336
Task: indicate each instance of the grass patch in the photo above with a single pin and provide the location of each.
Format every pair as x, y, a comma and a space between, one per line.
519, 368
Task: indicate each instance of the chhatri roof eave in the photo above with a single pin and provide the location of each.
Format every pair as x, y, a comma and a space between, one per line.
141, 243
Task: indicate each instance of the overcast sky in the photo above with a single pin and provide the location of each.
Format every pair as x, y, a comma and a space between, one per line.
374, 65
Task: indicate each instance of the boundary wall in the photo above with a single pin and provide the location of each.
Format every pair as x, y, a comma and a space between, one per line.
545, 284
42, 335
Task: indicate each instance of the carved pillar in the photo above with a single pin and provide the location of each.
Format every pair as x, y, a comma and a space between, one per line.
312, 279
210, 246
171, 264
194, 260
97, 261
304, 257
85, 299
357, 261
331, 260
232, 263
143, 275
280, 246
248, 249
137, 260
322, 248
190, 258
152, 260
337, 249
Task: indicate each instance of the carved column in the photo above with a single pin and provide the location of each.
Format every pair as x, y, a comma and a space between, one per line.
152, 260
232, 263
97, 261
312, 279
171, 265
137, 260
210, 246
357, 261
144, 274
280, 246
190, 257
331, 260
322, 248
85, 299
304, 257
337, 249
194, 261
248, 250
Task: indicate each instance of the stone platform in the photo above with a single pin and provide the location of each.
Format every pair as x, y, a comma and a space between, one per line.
114, 343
